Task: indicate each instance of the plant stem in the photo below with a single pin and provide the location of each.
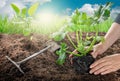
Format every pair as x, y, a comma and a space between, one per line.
91, 45
71, 41
77, 37
73, 53
80, 36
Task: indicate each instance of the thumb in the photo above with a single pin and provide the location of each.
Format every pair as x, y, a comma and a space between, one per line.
94, 54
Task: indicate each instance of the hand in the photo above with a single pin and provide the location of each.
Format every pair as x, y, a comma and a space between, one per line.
106, 65
98, 49
71, 55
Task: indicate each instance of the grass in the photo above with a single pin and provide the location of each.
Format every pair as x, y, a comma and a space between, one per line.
102, 27
7, 26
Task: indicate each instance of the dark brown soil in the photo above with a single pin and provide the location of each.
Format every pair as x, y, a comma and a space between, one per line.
42, 67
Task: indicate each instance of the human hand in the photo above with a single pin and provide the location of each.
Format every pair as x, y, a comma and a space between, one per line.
106, 65
71, 55
98, 49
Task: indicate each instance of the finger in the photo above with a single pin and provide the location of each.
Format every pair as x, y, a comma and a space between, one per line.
108, 71
101, 70
94, 54
97, 62
75, 51
99, 67
71, 55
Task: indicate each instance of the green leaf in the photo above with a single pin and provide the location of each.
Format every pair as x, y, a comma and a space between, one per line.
102, 39
61, 59
24, 12
98, 39
108, 5
86, 43
26, 32
97, 13
58, 36
103, 13
15, 8
62, 54
92, 44
32, 9
81, 48
84, 16
106, 14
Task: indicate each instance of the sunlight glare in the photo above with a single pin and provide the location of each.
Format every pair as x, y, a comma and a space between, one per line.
47, 18
47, 21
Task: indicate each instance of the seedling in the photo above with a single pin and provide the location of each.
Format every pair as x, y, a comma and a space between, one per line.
78, 20
24, 16
62, 54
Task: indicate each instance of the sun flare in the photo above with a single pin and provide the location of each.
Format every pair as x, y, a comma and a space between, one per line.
47, 21
46, 18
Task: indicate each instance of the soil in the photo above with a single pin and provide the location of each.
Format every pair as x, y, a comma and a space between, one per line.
82, 64
42, 67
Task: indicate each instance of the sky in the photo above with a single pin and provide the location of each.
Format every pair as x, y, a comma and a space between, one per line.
61, 7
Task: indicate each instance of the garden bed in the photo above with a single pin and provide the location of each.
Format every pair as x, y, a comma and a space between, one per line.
42, 67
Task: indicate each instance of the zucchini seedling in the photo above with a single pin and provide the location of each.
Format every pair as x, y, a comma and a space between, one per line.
24, 16
80, 21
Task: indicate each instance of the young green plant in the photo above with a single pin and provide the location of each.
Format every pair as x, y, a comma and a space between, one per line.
78, 20
24, 16
62, 54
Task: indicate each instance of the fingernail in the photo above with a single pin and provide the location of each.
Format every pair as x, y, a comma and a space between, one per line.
96, 73
102, 74
90, 72
91, 66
